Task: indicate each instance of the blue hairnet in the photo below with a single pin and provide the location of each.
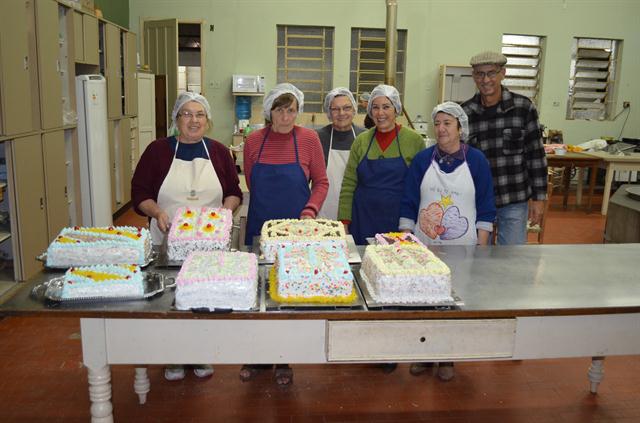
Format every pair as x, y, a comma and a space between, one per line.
455, 110
183, 99
386, 91
276, 92
336, 92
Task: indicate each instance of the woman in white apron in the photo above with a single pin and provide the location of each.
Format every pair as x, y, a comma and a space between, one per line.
448, 196
336, 139
184, 170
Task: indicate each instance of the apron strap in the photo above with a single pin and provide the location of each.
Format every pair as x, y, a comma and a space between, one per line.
264, 140
375, 131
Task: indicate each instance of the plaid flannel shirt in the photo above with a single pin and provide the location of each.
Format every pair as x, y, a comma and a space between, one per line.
509, 135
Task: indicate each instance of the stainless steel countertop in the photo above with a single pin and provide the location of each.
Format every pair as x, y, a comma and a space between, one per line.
550, 279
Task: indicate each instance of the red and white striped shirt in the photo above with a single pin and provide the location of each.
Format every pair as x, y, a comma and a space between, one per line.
279, 149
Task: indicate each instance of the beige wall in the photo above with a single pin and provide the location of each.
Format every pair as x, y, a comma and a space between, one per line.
439, 32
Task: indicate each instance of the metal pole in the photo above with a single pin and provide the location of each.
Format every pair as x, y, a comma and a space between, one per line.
391, 44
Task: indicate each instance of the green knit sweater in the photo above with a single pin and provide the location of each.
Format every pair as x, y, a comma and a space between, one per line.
411, 143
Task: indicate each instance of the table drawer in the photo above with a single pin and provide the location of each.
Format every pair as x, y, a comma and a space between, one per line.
420, 340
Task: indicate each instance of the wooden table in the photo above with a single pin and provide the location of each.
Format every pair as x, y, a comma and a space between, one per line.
520, 302
580, 161
614, 162
623, 218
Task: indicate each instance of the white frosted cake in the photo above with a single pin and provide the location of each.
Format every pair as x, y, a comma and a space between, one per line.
276, 233
103, 281
405, 273
198, 229
79, 246
217, 279
314, 273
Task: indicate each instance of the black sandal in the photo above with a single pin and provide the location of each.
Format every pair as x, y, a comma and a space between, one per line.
284, 375
250, 371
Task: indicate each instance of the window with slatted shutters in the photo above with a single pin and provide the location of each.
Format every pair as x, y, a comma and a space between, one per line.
524, 64
305, 59
592, 77
368, 58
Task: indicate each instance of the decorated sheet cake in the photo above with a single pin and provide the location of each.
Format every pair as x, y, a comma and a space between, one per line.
317, 273
103, 281
198, 229
78, 246
390, 238
405, 273
276, 233
217, 279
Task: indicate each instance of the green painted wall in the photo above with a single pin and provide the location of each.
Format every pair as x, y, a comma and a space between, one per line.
116, 11
439, 32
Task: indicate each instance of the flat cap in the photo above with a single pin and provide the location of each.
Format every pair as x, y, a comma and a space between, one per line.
488, 58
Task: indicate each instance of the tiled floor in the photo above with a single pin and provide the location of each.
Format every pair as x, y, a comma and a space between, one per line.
43, 381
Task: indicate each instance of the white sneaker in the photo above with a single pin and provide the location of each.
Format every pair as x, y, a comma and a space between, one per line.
174, 372
446, 371
202, 370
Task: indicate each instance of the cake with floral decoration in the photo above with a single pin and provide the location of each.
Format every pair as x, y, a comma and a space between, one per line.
279, 232
317, 273
103, 281
405, 273
198, 229
84, 246
390, 238
217, 279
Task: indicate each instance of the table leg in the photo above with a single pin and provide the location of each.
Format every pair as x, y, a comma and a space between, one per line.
596, 373
608, 180
100, 395
592, 185
566, 179
94, 357
579, 187
142, 385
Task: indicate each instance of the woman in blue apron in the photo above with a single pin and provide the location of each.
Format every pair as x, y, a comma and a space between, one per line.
448, 196
373, 182
279, 162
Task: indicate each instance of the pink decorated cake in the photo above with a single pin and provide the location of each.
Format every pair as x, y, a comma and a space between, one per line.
198, 229
217, 279
391, 238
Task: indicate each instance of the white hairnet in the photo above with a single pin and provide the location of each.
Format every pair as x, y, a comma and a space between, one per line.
455, 110
183, 99
276, 92
337, 92
386, 91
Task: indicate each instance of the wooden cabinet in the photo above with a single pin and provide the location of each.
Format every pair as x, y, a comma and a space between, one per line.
31, 213
113, 164
85, 35
17, 65
113, 70
130, 77
126, 151
456, 83
48, 64
55, 171
146, 111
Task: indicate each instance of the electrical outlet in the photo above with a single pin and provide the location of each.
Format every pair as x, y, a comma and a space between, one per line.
626, 104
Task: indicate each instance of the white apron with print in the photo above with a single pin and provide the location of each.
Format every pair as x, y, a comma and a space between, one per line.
336, 164
191, 184
447, 207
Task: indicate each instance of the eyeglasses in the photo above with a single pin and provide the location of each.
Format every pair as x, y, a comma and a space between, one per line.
481, 75
196, 116
337, 110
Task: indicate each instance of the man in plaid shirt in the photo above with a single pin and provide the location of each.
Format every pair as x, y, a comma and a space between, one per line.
505, 127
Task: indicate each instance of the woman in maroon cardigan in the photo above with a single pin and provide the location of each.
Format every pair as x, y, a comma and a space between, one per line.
184, 170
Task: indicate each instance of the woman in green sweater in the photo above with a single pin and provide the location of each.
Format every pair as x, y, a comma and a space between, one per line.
374, 177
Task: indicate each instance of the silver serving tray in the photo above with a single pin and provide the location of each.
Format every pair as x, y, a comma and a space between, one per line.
147, 261
633, 192
373, 304
352, 249
153, 284
273, 305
